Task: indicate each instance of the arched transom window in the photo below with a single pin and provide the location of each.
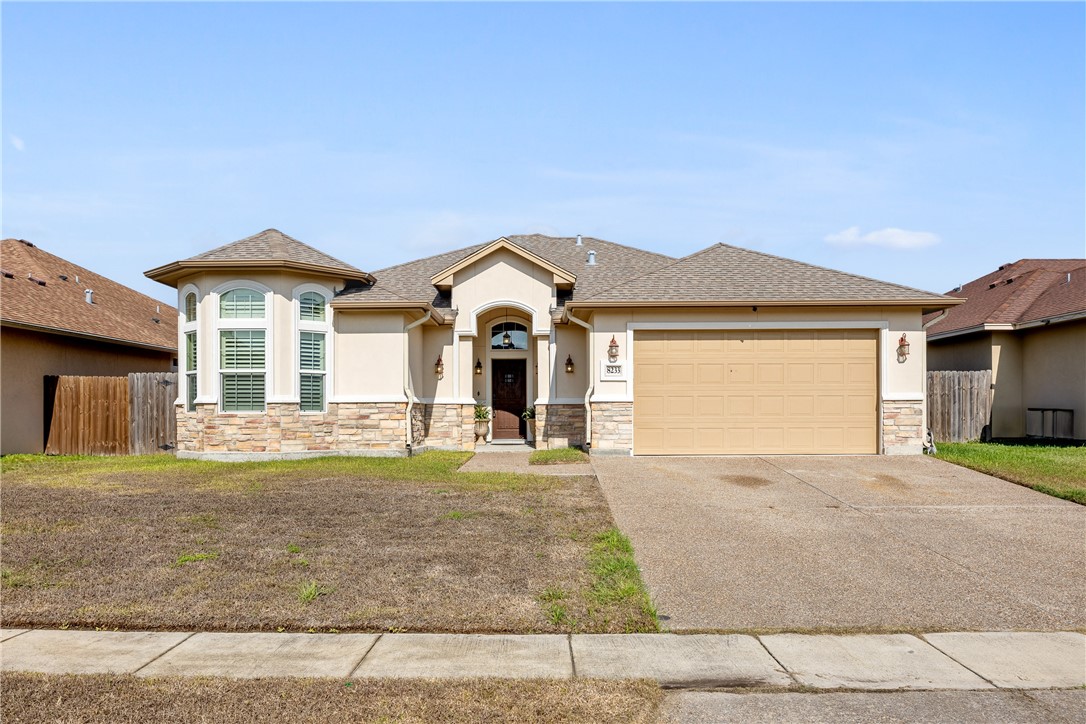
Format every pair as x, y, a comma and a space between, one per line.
508, 335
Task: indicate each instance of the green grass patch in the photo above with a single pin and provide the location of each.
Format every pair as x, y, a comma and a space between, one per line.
557, 456
193, 558
553, 593
459, 515
1056, 471
309, 592
618, 579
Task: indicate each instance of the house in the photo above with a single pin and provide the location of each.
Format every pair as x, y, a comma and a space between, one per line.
725, 351
1026, 322
57, 318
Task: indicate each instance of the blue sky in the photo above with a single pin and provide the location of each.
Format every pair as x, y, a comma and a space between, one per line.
919, 143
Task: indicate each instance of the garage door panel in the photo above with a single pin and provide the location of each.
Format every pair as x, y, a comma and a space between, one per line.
755, 392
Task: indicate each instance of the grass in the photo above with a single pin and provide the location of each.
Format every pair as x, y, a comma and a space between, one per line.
1056, 471
618, 579
351, 544
193, 557
557, 456
124, 699
309, 592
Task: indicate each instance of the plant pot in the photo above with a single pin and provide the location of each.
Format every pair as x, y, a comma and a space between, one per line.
530, 429
482, 427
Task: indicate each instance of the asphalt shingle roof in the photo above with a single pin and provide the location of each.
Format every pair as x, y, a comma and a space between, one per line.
273, 245
1027, 290
614, 263
730, 273
118, 313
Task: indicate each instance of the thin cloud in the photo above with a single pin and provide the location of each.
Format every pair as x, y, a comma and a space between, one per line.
889, 238
17, 142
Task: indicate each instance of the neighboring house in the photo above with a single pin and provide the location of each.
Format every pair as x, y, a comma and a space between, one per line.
61, 319
289, 350
1026, 322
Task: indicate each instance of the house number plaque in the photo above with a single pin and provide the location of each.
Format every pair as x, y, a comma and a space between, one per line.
612, 370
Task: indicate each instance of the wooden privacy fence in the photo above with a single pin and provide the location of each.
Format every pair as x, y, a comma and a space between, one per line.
959, 405
131, 415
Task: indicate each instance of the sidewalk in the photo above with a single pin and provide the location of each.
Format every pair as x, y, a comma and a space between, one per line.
961, 661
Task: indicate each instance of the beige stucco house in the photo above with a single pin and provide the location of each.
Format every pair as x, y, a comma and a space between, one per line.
58, 318
1025, 321
727, 351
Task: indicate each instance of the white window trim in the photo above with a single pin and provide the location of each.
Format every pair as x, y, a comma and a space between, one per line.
184, 327
527, 333
325, 328
267, 324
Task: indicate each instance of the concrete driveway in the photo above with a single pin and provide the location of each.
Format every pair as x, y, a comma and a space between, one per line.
847, 542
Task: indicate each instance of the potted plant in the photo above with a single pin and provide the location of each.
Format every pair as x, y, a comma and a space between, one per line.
529, 418
482, 421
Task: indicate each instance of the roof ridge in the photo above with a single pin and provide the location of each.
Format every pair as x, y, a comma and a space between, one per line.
596, 238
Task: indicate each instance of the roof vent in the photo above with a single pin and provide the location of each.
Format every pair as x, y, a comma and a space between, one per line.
88, 294
24, 241
63, 277
39, 282
1068, 278
957, 288
7, 274
591, 258
579, 242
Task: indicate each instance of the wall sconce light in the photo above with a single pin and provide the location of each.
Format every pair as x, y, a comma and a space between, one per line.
902, 349
478, 366
569, 363
439, 368
612, 350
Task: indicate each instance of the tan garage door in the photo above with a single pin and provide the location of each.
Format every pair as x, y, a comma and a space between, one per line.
755, 392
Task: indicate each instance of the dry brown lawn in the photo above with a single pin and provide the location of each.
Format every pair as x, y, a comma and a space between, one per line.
336, 544
106, 698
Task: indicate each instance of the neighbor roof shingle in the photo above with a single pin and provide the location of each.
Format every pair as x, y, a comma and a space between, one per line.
724, 273
1027, 290
118, 313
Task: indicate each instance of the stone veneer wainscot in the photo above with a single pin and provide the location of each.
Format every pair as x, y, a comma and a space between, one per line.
902, 427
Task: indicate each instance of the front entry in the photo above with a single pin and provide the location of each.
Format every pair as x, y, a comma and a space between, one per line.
508, 398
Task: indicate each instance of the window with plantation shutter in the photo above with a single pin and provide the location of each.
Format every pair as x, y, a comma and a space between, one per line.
190, 371
311, 307
190, 307
242, 358
314, 337
311, 366
241, 304
189, 349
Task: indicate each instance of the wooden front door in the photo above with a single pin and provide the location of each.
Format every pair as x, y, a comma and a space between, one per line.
508, 398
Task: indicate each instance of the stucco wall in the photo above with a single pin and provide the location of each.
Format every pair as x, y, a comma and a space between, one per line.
502, 275
972, 352
1008, 415
1054, 367
26, 357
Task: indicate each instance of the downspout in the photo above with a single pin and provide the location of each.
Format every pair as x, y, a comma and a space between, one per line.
591, 382
939, 318
407, 391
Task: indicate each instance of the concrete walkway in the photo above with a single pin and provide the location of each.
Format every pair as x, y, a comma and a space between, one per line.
945, 661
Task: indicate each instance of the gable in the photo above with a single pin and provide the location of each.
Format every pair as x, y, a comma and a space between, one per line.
444, 279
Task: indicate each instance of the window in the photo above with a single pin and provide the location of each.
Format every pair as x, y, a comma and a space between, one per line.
242, 360
311, 307
190, 307
311, 366
243, 334
314, 335
241, 304
517, 334
190, 371
189, 350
